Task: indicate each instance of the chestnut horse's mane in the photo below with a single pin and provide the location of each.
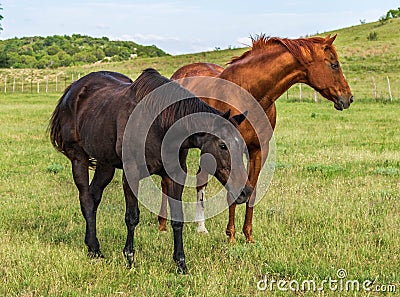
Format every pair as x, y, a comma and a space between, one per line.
295, 46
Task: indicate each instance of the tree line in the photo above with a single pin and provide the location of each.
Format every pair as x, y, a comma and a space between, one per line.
57, 51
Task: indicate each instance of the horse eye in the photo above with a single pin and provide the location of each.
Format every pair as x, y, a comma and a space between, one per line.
335, 66
223, 146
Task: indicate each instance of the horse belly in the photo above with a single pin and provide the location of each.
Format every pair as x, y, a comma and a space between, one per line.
99, 142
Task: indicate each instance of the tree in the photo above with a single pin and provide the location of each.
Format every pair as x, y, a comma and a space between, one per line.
393, 13
1, 17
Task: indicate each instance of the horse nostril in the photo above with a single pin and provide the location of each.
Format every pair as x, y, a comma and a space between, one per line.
351, 99
247, 191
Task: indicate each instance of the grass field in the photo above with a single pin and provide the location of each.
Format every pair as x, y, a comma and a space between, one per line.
333, 204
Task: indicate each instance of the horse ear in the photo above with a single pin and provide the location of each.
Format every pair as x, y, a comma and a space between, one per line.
239, 118
227, 114
329, 40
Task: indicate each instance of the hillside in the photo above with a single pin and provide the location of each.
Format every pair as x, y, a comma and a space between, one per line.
370, 47
365, 63
56, 51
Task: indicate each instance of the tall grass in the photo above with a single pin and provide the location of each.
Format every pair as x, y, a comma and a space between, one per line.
333, 203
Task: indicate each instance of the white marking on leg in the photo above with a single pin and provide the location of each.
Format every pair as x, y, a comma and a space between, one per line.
201, 228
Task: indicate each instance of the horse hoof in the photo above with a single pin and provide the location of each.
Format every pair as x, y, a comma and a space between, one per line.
162, 228
231, 240
250, 239
95, 255
182, 268
129, 259
202, 230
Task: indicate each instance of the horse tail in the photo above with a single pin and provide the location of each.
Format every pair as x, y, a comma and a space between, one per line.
55, 124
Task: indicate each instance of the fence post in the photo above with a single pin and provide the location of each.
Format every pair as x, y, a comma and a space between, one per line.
38, 87
5, 84
374, 87
390, 90
47, 84
315, 96
57, 83
13, 88
22, 84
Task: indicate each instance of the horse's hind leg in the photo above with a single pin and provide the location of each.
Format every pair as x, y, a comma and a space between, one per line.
80, 172
102, 177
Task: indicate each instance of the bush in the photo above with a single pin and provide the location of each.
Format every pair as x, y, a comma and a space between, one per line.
372, 36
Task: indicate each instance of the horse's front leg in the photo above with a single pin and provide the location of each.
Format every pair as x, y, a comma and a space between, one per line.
230, 228
174, 186
174, 192
201, 179
131, 216
162, 215
254, 171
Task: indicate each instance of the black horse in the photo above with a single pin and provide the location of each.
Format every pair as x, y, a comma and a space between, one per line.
88, 126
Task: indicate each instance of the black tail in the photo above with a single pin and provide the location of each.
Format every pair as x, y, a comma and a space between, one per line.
55, 125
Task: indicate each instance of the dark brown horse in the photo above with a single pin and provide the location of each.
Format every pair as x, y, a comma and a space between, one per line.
267, 70
89, 126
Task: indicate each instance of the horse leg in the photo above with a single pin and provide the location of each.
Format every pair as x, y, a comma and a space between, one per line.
174, 187
174, 191
230, 228
254, 171
201, 178
162, 216
80, 172
131, 217
102, 177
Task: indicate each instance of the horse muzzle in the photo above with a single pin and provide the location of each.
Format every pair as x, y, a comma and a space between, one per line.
244, 195
343, 103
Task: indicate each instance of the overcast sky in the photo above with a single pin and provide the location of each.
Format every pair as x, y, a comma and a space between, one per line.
185, 26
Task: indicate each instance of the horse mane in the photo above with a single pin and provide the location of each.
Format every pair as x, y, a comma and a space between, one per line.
297, 47
150, 80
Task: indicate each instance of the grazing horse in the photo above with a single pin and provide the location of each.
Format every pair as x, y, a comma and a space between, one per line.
89, 126
266, 71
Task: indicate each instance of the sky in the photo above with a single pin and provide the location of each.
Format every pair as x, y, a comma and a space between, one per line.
186, 26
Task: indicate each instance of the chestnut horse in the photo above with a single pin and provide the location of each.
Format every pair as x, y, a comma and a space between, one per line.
89, 124
268, 69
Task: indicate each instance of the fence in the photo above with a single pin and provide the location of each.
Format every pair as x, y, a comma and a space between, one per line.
369, 86
33, 84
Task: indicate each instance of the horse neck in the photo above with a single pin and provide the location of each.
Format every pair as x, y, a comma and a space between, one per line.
268, 75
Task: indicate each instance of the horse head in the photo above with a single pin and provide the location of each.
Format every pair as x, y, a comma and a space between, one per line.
326, 76
222, 156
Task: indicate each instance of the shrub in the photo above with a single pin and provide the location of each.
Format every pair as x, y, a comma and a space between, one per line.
372, 36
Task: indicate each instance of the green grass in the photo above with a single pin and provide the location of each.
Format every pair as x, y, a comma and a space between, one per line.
333, 203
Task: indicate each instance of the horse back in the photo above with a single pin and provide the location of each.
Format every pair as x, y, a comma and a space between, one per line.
94, 109
198, 69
